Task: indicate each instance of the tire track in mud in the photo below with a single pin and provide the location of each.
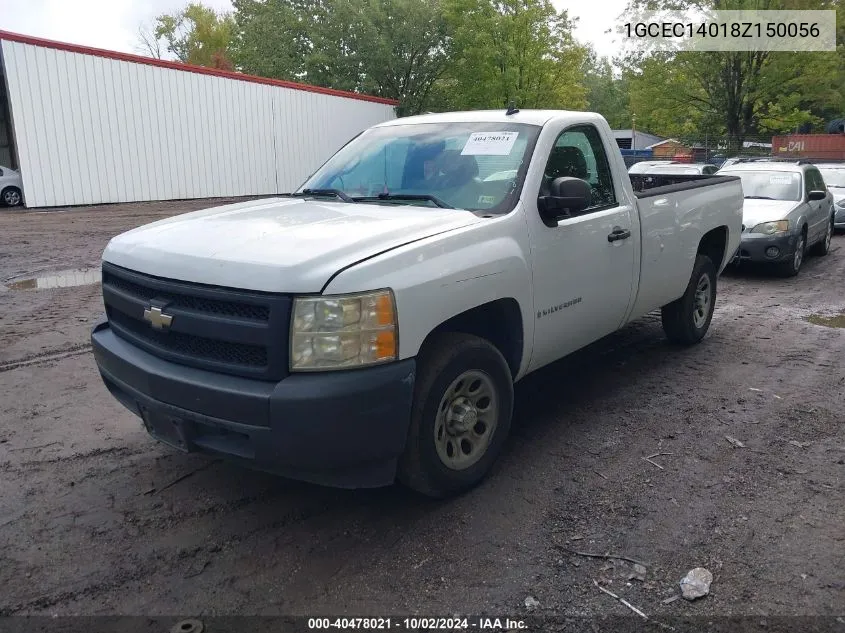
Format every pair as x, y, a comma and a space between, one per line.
45, 357
120, 451
159, 564
90, 591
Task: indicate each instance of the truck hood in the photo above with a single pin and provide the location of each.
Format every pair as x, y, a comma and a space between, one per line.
277, 244
756, 211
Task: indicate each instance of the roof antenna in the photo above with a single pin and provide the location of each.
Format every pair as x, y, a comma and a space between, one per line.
512, 109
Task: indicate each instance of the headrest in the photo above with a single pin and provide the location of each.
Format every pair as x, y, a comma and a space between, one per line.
456, 169
567, 161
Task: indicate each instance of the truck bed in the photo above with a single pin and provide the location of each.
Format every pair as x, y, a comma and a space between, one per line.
675, 211
646, 185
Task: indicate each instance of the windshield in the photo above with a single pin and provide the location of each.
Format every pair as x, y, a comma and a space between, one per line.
771, 185
475, 166
833, 177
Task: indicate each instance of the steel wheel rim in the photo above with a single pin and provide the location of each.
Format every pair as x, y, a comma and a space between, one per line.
701, 304
799, 254
467, 417
12, 198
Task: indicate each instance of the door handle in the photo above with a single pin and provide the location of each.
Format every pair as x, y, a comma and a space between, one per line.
618, 234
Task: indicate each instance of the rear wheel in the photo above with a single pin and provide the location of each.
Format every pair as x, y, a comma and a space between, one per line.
686, 320
792, 267
463, 402
823, 247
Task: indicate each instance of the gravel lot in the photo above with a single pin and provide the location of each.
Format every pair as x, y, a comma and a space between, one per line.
97, 518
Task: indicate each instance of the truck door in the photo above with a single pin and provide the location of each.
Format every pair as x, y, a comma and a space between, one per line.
584, 267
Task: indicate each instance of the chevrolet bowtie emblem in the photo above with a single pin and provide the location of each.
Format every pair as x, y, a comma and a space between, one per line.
158, 319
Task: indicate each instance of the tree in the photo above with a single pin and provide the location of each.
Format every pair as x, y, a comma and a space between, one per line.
274, 38
607, 91
741, 92
148, 44
511, 50
392, 48
194, 35
403, 48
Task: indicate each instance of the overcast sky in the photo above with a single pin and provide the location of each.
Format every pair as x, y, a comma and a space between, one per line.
113, 24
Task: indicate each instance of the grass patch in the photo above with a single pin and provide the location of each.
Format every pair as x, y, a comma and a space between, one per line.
827, 321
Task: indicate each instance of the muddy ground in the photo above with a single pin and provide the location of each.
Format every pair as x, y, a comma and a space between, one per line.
96, 518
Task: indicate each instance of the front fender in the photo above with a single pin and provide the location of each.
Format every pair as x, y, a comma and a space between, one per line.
800, 221
442, 276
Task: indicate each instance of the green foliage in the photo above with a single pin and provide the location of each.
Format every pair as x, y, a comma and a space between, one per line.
473, 54
510, 50
427, 54
272, 36
736, 93
607, 93
403, 49
392, 48
195, 35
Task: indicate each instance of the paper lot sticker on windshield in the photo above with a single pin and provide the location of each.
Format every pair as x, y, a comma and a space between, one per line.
489, 144
781, 180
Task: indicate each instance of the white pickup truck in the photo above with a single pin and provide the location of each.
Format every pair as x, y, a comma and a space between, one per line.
371, 325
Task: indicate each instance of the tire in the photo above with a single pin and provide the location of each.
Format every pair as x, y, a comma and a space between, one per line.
793, 266
11, 197
455, 373
823, 247
686, 320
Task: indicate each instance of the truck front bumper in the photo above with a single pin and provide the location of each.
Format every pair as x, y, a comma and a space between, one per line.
345, 429
766, 248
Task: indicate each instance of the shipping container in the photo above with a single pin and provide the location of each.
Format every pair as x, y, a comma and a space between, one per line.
90, 126
812, 146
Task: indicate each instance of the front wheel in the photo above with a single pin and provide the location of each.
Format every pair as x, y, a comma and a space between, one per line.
461, 416
792, 266
686, 320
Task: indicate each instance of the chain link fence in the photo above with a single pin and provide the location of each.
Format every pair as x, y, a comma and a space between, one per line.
701, 148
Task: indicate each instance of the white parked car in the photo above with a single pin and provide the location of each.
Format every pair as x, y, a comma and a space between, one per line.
11, 187
834, 179
672, 168
371, 325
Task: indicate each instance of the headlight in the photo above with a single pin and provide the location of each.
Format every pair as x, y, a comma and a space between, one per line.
840, 204
770, 228
343, 331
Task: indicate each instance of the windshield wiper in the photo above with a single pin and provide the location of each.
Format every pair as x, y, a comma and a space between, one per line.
406, 196
337, 193
758, 198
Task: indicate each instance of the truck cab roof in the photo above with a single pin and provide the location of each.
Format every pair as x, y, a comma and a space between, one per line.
765, 165
526, 117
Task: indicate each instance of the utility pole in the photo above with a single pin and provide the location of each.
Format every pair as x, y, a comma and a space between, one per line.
633, 131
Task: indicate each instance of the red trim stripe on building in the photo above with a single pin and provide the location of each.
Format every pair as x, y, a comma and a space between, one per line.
202, 70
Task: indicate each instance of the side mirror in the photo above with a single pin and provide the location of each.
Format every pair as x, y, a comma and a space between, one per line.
567, 196
817, 195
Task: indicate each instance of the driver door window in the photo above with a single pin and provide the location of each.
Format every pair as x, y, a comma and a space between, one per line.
808, 183
578, 152
816, 180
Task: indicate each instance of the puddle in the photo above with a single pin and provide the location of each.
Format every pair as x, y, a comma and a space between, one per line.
828, 321
58, 279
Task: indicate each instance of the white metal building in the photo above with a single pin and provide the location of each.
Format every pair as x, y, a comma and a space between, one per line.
88, 126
